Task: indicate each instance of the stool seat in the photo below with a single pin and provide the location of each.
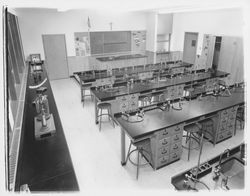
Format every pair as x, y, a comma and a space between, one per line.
104, 105
192, 128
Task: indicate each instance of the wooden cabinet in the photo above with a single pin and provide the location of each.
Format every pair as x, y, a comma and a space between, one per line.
226, 124
166, 146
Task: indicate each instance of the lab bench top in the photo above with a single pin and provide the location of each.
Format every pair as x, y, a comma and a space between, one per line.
45, 165
103, 95
157, 119
120, 57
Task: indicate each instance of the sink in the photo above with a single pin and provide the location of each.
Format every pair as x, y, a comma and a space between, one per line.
233, 169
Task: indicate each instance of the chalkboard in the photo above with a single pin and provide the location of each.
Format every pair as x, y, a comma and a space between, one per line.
110, 42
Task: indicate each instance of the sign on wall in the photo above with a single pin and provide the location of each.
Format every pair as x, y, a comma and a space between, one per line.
138, 40
82, 44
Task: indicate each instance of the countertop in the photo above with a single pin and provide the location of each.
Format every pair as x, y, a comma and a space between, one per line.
44, 165
120, 57
157, 119
143, 88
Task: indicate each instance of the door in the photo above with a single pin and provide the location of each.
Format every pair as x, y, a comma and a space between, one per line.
56, 56
190, 46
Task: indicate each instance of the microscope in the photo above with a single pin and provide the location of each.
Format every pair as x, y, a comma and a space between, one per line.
44, 120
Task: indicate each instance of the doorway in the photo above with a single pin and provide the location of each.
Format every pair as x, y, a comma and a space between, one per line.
190, 47
56, 56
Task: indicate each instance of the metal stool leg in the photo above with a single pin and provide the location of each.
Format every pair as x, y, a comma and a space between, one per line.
189, 146
110, 116
138, 163
100, 121
128, 152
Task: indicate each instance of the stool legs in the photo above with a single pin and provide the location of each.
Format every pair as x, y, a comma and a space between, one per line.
138, 162
100, 121
189, 146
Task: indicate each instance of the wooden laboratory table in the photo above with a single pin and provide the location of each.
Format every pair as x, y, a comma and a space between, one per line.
45, 165
102, 95
192, 111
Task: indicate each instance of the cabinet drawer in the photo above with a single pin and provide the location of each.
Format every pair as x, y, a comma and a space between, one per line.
164, 142
223, 114
174, 156
164, 151
164, 133
228, 133
177, 129
176, 138
175, 147
220, 136
233, 110
163, 160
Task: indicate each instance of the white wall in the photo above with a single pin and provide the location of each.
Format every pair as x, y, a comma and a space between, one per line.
152, 20
35, 22
165, 22
219, 22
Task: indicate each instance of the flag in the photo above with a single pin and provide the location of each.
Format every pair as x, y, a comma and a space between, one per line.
89, 26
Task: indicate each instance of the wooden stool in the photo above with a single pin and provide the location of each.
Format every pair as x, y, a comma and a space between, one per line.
140, 151
191, 130
101, 107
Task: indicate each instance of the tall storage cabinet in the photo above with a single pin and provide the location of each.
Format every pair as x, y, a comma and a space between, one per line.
231, 59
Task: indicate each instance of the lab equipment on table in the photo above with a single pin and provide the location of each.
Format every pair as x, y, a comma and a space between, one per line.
44, 120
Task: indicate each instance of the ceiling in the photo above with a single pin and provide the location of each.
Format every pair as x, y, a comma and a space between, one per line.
159, 6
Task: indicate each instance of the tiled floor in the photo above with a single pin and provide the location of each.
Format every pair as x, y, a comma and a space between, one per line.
96, 155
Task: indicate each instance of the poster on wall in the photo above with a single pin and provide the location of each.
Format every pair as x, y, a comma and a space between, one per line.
82, 44
138, 40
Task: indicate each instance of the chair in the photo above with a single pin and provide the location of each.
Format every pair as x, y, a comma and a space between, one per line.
101, 107
191, 131
140, 148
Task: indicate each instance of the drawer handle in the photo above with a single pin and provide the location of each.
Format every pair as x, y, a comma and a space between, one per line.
177, 129
175, 156
165, 133
176, 147
164, 152
176, 138
164, 142
163, 161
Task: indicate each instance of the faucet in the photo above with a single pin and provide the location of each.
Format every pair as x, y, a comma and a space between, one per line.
218, 168
225, 151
